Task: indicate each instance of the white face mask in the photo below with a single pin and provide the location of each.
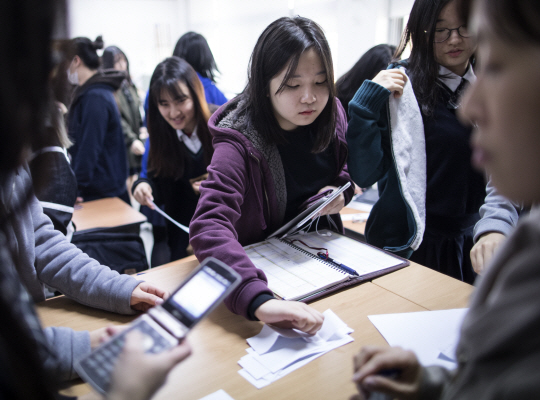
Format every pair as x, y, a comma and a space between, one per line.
73, 78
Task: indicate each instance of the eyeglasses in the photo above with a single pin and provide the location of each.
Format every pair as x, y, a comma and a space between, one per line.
442, 35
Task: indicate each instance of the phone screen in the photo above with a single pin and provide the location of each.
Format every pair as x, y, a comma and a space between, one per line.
200, 292
189, 303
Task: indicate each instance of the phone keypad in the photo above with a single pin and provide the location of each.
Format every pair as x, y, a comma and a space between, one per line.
99, 364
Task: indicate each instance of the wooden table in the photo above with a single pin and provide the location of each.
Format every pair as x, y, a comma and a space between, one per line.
426, 287
109, 214
219, 341
354, 229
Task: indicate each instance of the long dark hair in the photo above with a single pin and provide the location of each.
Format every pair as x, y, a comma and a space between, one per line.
111, 54
87, 51
24, 105
370, 64
280, 46
167, 156
194, 48
423, 69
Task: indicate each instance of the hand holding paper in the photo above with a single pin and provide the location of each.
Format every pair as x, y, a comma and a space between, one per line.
143, 195
276, 352
290, 314
159, 210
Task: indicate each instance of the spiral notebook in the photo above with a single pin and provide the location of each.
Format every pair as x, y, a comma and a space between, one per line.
295, 271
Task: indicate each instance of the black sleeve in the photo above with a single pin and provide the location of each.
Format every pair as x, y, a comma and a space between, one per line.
256, 303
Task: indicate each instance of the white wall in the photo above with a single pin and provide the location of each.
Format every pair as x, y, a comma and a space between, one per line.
146, 30
231, 28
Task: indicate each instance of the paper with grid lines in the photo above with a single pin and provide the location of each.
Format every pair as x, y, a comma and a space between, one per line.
295, 271
292, 274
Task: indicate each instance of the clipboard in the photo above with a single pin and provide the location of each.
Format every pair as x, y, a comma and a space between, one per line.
305, 216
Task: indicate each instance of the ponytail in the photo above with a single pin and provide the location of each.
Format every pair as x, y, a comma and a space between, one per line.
87, 51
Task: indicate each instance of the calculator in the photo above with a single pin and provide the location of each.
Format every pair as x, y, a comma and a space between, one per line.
164, 326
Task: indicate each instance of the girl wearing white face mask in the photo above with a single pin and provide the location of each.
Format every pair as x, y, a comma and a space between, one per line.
98, 154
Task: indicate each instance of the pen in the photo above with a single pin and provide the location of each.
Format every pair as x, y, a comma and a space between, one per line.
342, 266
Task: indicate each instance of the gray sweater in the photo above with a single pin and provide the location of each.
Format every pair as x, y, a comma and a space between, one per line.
44, 256
499, 349
497, 214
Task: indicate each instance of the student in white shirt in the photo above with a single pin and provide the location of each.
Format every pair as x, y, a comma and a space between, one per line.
405, 135
499, 347
179, 147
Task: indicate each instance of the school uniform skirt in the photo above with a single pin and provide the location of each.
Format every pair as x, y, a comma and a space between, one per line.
446, 246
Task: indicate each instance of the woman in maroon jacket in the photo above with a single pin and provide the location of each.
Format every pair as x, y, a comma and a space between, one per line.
276, 145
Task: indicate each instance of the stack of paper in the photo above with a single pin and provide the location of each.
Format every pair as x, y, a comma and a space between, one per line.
432, 335
276, 352
219, 395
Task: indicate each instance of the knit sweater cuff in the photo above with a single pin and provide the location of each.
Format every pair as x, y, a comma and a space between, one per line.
370, 96
491, 225
256, 303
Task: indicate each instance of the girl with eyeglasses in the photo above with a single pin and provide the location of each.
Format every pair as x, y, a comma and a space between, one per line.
403, 133
499, 347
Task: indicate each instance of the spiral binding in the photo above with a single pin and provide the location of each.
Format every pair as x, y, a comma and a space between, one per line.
309, 254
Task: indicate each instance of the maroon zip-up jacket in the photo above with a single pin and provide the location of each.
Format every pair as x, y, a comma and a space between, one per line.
243, 200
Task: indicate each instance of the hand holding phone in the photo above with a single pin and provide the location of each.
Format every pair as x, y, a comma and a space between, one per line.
164, 326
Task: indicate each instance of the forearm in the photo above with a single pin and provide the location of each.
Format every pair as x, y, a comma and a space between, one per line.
368, 125
63, 266
68, 346
213, 227
341, 180
212, 234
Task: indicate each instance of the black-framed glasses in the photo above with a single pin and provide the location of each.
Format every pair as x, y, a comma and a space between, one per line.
442, 34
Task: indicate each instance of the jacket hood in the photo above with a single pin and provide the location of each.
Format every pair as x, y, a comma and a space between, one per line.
230, 122
109, 77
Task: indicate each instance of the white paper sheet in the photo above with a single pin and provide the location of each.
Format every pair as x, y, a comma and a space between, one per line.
276, 352
160, 211
271, 377
219, 395
432, 335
